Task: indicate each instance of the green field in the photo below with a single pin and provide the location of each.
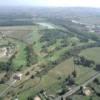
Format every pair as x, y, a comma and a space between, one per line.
20, 59
92, 54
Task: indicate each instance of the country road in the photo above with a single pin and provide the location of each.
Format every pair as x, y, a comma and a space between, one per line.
78, 87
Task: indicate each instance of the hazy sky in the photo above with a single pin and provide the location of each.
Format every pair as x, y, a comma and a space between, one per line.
52, 3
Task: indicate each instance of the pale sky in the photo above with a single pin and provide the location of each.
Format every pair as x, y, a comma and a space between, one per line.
52, 3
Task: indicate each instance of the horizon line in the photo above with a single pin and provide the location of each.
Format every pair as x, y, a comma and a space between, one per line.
47, 6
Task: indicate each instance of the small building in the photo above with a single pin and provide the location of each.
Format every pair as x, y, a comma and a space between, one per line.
17, 76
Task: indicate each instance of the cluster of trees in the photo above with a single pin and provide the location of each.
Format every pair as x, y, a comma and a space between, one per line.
76, 50
68, 54
30, 55
97, 67
81, 60
70, 80
30, 98
15, 23
79, 30
50, 36
7, 66
97, 81
46, 68
95, 86
63, 44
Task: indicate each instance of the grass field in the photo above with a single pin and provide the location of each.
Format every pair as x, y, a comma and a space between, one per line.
92, 54
80, 97
50, 81
2, 87
20, 58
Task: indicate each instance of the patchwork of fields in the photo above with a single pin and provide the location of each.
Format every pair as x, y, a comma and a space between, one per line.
53, 51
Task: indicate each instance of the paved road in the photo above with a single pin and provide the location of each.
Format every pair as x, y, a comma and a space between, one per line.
78, 87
